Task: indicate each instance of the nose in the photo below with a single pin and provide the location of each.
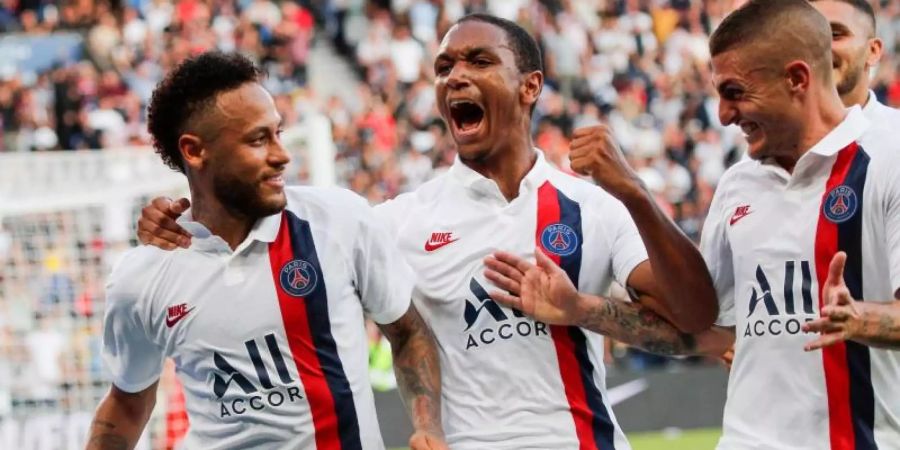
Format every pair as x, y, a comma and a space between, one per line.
458, 77
278, 155
727, 112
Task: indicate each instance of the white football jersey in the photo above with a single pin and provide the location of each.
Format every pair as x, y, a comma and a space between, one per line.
268, 340
882, 117
510, 382
768, 241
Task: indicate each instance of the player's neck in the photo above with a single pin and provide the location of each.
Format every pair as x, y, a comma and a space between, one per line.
824, 115
508, 166
231, 226
858, 96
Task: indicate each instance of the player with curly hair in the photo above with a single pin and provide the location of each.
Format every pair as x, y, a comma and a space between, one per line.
263, 314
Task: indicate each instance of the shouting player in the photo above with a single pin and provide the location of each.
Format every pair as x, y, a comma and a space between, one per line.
509, 381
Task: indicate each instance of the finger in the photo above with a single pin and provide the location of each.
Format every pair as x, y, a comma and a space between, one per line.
822, 326
581, 169
507, 299
160, 233
508, 270
164, 219
593, 130
836, 313
161, 203
180, 206
544, 261
842, 297
148, 239
824, 341
836, 269
592, 142
513, 260
503, 282
436, 444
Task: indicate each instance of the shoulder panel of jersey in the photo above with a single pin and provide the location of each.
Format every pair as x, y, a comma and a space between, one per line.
395, 212
135, 272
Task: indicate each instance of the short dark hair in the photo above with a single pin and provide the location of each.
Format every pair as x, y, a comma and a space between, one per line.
862, 6
524, 47
769, 24
188, 89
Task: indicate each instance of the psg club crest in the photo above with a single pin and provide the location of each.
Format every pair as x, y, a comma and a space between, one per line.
298, 278
559, 239
840, 204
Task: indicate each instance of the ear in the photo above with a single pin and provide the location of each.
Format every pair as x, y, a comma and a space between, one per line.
876, 48
193, 151
530, 90
798, 75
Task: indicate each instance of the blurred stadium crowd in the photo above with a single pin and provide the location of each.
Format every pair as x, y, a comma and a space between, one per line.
639, 65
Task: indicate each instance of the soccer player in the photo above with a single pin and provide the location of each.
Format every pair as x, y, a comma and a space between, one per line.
810, 224
509, 381
855, 50
263, 314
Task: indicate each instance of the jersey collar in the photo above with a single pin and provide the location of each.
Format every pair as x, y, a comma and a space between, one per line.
871, 104
480, 184
264, 230
849, 130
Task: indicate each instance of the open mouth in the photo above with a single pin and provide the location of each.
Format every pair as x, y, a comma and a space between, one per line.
466, 115
748, 128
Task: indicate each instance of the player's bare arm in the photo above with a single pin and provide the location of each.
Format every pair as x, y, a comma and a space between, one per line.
418, 377
875, 324
120, 419
157, 225
679, 281
545, 292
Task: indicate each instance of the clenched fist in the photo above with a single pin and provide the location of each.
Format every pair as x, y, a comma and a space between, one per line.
594, 153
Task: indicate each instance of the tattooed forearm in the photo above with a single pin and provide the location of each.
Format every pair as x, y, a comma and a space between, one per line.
637, 325
120, 419
880, 326
417, 369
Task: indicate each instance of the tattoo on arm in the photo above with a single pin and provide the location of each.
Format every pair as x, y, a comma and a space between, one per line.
637, 325
883, 330
417, 369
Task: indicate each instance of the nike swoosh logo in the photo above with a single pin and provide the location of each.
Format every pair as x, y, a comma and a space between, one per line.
429, 247
171, 321
736, 218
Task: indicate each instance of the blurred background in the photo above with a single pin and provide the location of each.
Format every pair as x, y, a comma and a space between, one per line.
353, 80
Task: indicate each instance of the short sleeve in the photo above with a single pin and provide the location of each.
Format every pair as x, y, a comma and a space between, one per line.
892, 228
384, 279
716, 252
627, 246
134, 361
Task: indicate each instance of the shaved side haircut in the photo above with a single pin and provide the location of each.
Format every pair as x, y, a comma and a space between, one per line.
777, 32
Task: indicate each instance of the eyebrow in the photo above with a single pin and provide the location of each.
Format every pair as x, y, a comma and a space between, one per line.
265, 128
838, 26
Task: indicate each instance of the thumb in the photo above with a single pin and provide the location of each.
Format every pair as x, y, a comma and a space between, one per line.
180, 206
836, 269
543, 261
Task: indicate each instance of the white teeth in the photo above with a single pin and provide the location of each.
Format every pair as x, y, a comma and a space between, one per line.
454, 103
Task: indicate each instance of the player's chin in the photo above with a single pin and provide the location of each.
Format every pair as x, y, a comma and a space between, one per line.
273, 202
474, 152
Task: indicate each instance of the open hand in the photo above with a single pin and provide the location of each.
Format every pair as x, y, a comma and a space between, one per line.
542, 291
